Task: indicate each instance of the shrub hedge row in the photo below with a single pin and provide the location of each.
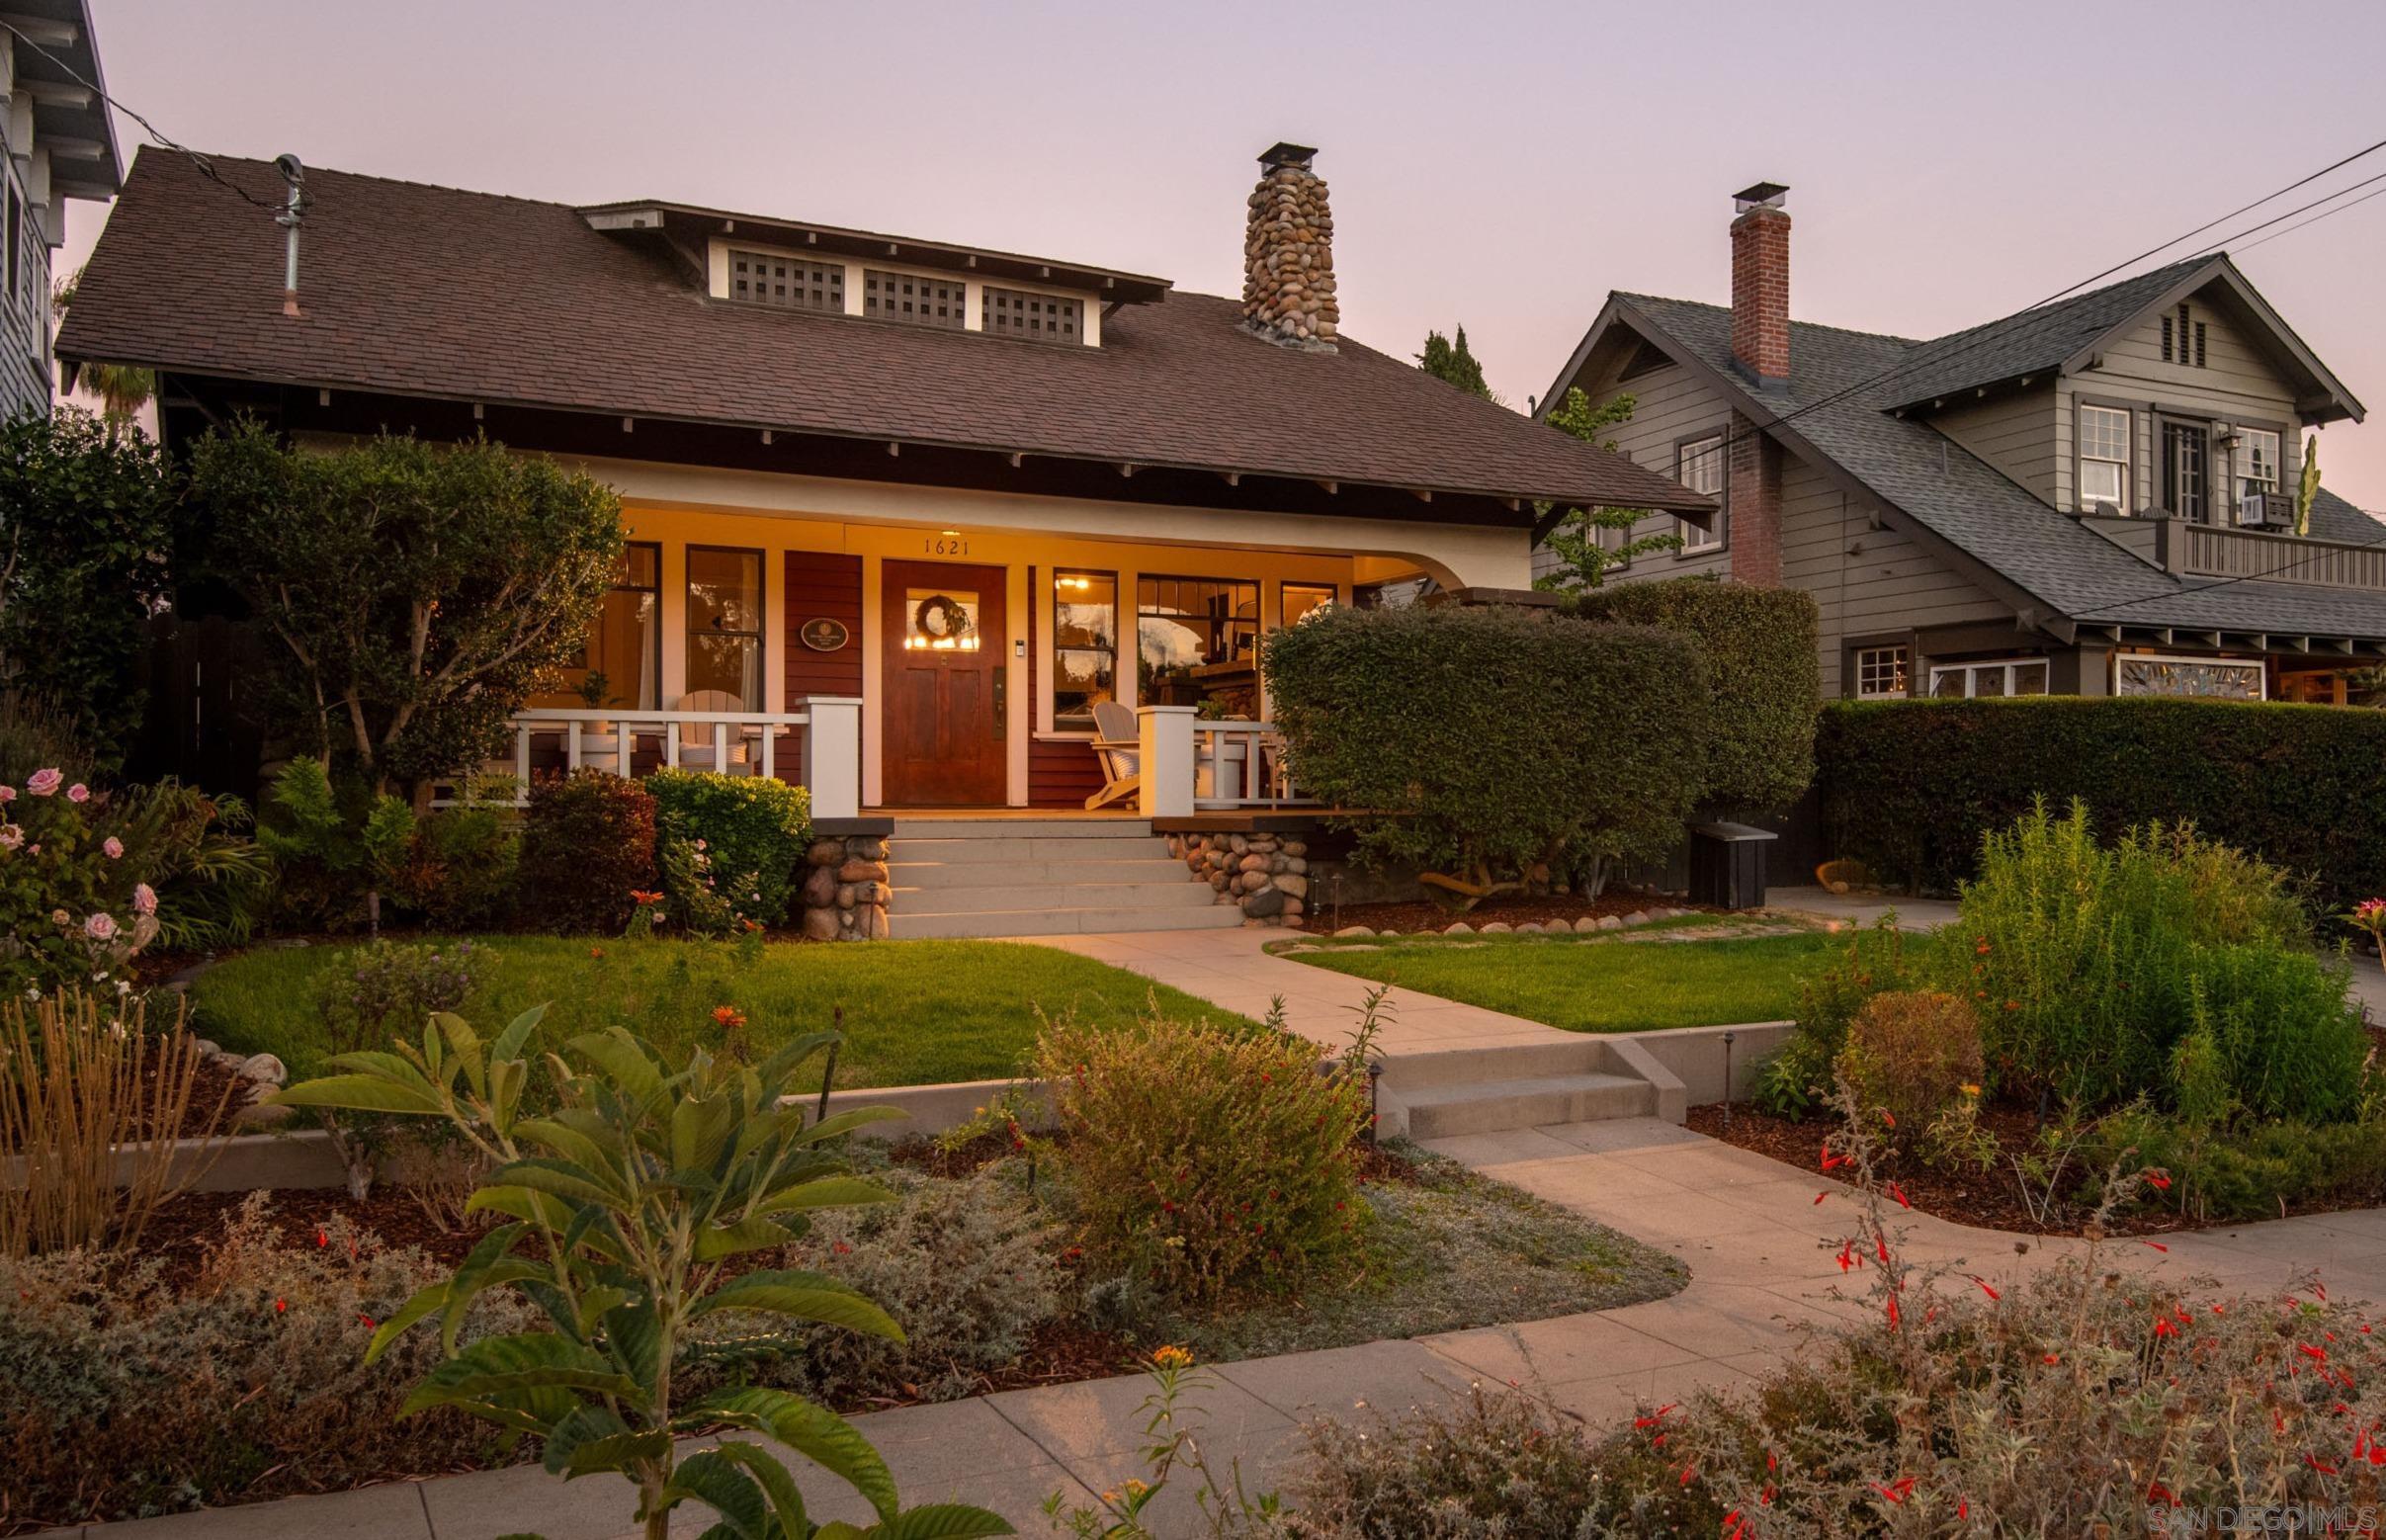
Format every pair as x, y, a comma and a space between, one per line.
1759, 647
1911, 787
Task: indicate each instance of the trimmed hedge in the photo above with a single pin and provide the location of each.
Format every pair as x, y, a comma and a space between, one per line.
747, 831
1759, 646
1504, 736
587, 844
1910, 788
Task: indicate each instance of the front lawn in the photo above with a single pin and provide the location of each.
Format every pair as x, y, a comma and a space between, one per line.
917, 1012
1639, 981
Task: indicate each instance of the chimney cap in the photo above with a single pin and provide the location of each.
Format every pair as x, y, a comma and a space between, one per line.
1286, 153
1764, 195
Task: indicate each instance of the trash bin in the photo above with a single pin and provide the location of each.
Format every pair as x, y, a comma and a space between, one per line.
1727, 865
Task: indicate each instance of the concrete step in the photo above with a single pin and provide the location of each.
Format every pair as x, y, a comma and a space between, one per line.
941, 876
996, 924
1011, 848
1014, 897
1577, 1053
1021, 829
1493, 1106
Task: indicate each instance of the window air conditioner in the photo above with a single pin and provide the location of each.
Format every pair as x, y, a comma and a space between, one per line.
2265, 510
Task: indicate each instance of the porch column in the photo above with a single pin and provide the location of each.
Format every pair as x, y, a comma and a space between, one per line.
832, 754
1164, 760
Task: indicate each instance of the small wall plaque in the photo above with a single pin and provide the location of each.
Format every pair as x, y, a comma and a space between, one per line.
826, 634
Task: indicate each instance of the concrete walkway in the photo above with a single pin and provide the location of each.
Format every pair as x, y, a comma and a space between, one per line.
1863, 908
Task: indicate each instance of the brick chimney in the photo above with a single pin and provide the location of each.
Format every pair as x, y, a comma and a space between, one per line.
1761, 284
1288, 282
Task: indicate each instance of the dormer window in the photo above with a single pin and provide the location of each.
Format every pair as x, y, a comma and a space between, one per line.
1015, 312
786, 283
913, 300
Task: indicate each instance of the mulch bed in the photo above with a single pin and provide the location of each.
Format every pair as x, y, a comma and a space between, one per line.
1510, 908
216, 1094
1990, 1199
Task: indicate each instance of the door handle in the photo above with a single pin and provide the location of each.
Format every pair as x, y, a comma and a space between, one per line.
1002, 697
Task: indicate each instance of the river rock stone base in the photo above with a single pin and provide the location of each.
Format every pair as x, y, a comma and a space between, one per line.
845, 890
1265, 875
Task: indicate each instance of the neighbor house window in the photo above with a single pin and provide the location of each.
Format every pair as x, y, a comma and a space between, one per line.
2219, 678
16, 247
1015, 312
624, 661
1881, 673
2257, 461
786, 283
1699, 465
1085, 647
913, 299
1184, 623
725, 630
1301, 598
1998, 676
2103, 459
2186, 470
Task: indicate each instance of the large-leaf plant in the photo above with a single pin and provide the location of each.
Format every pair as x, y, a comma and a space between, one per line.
628, 1206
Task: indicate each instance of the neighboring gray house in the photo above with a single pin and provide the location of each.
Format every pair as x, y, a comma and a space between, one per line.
53, 119
2093, 497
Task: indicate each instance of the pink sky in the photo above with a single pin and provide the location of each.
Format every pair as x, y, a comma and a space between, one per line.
1499, 166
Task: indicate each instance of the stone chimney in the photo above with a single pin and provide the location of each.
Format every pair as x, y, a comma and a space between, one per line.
1760, 339
1288, 282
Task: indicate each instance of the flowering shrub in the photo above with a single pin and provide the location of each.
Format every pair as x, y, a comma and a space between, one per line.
730, 846
122, 1393
1208, 1160
588, 851
71, 912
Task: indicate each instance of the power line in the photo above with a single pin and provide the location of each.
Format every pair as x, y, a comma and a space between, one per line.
2291, 213
206, 166
2314, 219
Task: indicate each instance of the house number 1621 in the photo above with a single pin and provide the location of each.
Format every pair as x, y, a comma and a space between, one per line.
945, 546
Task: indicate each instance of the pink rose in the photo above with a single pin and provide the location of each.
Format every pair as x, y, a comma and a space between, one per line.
44, 783
145, 899
99, 927
11, 836
78, 792
114, 846
8, 793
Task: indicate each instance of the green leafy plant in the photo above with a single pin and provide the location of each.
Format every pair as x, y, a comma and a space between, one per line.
1172, 1451
214, 883
731, 847
1908, 1055
1450, 360
1491, 744
332, 845
640, 1190
419, 593
1208, 1161
1798, 1075
587, 847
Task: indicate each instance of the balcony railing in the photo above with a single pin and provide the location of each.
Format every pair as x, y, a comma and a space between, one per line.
819, 746
1211, 766
2193, 549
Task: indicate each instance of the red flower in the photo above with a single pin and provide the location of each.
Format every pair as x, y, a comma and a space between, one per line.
1899, 1193
596, 952
2157, 1179
1984, 1289
2162, 1326
2157, 1244
1820, 1196
2315, 1354
729, 1016
2052, 1358
280, 1305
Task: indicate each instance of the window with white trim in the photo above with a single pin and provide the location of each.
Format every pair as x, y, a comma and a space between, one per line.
2103, 459
1881, 673
2256, 460
1699, 466
1989, 678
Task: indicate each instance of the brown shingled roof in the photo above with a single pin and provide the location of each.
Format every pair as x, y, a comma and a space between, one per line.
412, 290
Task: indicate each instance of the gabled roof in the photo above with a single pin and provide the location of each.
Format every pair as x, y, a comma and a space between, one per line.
1837, 412
2069, 333
426, 291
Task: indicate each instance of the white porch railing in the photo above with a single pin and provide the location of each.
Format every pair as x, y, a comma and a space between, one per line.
1190, 765
828, 760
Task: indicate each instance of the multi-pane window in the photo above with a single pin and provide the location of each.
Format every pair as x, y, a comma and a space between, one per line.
725, 628
786, 283
1699, 466
624, 661
1085, 645
1881, 673
1015, 312
1999, 676
2186, 474
2103, 459
2257, 459
913, 300
1182, 624
2220, 678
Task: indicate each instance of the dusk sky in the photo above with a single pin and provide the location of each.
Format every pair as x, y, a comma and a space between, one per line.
1497, 166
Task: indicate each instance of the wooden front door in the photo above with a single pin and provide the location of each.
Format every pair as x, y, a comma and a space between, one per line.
947, 744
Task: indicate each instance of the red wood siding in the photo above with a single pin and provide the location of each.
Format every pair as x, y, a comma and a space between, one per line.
1060, 772
821, 584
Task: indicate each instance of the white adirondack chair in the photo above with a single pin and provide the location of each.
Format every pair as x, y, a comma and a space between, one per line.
1119, 746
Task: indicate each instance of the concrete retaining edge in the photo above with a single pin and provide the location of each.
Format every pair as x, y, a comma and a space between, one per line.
1692, 1058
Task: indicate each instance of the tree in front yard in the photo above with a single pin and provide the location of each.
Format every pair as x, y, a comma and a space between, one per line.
1579, 542
85, 522
419, 593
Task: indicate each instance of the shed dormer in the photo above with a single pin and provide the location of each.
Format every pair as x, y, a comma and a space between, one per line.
789, 265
